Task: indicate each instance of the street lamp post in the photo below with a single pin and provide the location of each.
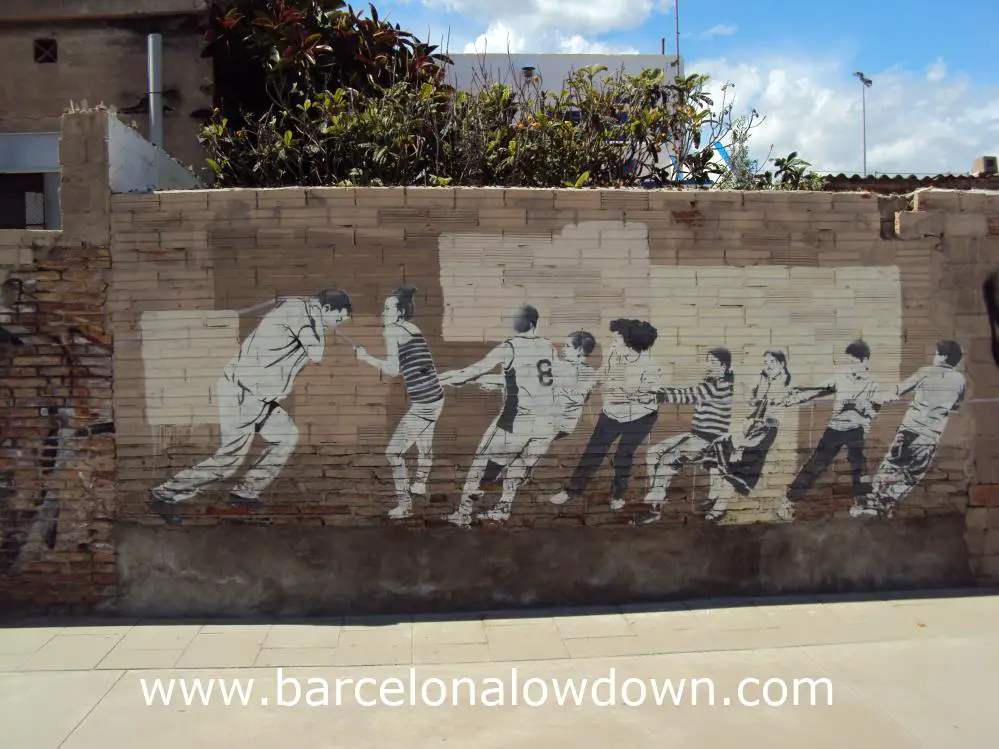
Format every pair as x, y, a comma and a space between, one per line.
866, 83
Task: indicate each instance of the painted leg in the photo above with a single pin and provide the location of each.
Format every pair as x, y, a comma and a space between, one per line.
604, 434
403, 439
237, 423
661, 462
722, 492
281, 435
462, 516
515, 476
633, 434
425, 453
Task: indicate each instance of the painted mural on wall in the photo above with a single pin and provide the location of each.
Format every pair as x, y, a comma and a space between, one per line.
408, 354
601, 345
250, 393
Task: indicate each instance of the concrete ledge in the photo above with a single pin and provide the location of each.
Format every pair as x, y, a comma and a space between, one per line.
245, 571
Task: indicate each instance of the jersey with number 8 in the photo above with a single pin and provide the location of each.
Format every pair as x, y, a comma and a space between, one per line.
530, 380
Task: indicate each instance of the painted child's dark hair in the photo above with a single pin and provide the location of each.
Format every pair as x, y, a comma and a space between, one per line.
583, 341
724, 356
404, 300
335, 299
526, 319
638, 335
859, 350
781, 358
951, 352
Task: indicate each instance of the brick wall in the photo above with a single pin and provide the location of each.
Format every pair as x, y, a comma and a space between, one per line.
180, 281
57, 455
803, 274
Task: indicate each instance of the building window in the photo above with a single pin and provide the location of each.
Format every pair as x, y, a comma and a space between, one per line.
22, 201
46, 50
34, 210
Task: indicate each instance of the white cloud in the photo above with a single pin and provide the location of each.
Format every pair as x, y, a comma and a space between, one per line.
937, 71
532, 17
720, 30
915, 123
501, 38
927, 121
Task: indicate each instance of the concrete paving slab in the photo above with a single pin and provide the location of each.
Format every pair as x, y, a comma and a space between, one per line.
319, 635
527, 642
287, 656
11, 662
598, 625
603, 647
149, 636
125, 660
942, 690
70, 653
15, 640
39, 710
375, 646
462, 632
429, 652
223, 650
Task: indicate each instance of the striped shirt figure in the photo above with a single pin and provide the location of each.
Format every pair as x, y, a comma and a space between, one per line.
409, 355
712, 401
418, 369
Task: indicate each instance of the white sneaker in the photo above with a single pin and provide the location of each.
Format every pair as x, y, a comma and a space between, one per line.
656, 497
785, 511
418, 488
495, 514
460, 517
403, 510
560, 499
872, 508
160, 494
617, 504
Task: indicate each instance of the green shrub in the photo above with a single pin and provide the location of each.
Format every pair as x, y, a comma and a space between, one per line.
313, 94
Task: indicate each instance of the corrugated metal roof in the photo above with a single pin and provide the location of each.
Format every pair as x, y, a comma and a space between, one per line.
905, 183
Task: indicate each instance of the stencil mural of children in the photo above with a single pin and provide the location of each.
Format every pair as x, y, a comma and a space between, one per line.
630, 409
574, 382
712, 401
408, 354
856, 404
937, 391
518, 437
735, 462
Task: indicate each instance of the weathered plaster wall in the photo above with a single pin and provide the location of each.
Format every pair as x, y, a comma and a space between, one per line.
136, 165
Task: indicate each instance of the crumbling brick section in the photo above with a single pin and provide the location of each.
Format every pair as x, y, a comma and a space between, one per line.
962, 226
57, 450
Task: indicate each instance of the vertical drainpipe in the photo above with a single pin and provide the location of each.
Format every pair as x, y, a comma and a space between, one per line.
155, 66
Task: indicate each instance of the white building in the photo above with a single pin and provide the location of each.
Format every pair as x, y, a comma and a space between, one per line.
467, 72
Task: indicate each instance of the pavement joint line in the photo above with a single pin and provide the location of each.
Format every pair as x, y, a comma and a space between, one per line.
91, 710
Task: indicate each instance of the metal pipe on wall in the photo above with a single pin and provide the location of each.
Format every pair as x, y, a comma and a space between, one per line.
155, 75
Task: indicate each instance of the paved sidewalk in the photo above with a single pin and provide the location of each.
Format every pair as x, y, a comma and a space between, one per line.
904, 673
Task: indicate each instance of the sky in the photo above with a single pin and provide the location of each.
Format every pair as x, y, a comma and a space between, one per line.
932, 109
